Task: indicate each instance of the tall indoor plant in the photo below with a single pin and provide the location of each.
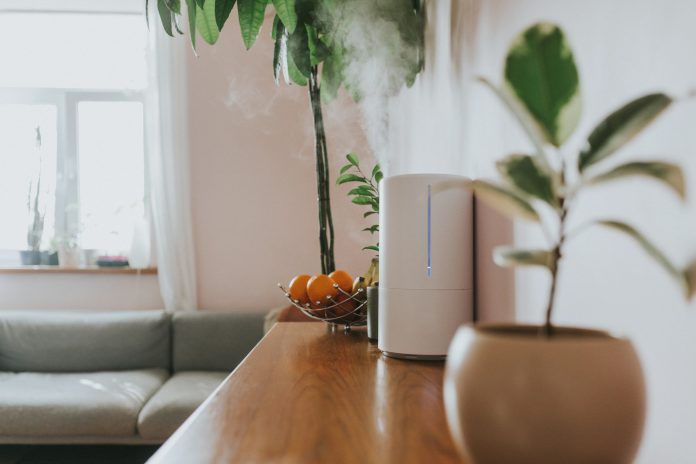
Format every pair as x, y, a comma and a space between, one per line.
321, 45
550, 394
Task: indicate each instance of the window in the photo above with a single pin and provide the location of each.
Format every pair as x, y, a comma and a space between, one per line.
72, 123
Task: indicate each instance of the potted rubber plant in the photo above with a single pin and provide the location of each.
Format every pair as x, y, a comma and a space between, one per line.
548, 394
322, 46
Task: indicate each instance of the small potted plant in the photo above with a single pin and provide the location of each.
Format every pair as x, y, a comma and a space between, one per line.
36, 212
548, 394
366, 193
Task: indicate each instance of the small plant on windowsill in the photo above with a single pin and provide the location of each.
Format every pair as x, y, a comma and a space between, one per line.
36, 210
366, 193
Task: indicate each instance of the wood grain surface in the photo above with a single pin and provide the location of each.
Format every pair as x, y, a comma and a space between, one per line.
307, 394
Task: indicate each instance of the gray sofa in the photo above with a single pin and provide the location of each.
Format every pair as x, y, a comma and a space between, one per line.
113, 377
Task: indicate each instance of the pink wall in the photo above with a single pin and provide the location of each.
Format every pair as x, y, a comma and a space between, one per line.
253, 177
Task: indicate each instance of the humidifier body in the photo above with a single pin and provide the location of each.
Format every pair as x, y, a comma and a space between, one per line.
426, 263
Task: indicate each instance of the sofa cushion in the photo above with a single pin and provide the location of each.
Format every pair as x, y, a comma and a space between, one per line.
59, 341
213, 341
175, 401
93, 404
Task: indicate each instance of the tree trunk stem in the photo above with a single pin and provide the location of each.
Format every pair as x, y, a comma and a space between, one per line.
326, 228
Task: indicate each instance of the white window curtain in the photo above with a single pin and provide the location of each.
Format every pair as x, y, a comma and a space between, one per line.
168, 168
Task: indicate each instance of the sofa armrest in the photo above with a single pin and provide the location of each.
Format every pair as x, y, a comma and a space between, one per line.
213, 341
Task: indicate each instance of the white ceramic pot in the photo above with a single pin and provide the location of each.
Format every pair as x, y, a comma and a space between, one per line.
515, 395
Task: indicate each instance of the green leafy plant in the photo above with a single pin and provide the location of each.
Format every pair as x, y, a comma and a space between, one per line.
321, 45
542, 91
35, 208
365, 192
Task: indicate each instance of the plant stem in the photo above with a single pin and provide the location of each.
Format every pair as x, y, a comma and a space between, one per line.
326, 228
557, 254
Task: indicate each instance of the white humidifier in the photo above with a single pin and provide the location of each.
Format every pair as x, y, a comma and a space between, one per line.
426, 263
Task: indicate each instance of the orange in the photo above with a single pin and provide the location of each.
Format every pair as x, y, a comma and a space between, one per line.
298, 289
343, 279
320, 288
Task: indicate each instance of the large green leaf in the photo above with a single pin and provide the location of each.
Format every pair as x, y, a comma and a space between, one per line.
251, 15
667, 173
504, 200
191, 9
540, 68
205, 22
331, 77
298, 49
649, 248
520, 113
509, 256
166, 16
620, 127
294, 74
174, 6
286, 10
318, 51
223, 8
524, 173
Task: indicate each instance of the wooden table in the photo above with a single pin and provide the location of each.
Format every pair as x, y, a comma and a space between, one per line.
306, 394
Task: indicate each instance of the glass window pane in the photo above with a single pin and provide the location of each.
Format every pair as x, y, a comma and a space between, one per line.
112, 173
27, 154
73, 50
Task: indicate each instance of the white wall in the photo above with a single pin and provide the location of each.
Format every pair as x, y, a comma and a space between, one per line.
623, 49
253, 177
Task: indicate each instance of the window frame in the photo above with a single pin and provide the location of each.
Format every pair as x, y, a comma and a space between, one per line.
66, 101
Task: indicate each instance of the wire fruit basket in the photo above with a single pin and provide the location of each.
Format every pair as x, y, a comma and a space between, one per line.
348, 309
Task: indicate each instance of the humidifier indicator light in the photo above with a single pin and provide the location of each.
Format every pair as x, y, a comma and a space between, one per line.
429, 267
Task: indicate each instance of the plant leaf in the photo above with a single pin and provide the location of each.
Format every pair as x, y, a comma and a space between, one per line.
372, 229
293, 71
504, 200
534, 132
669, 174
649, 248
349, 178
352, 159
690, 280
318, 52
541, 70
376, 170
191, 10
369, 213
279, 49
620, 127
345, 168
298, 49
223, 8
372, 247
362, 200
522, 172
251, 15
205, 22
378, 177
509, 256
174, 6
286, 10
331, 77
363, 191
165, 16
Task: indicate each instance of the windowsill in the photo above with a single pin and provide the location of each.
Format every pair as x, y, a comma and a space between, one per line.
76, 270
